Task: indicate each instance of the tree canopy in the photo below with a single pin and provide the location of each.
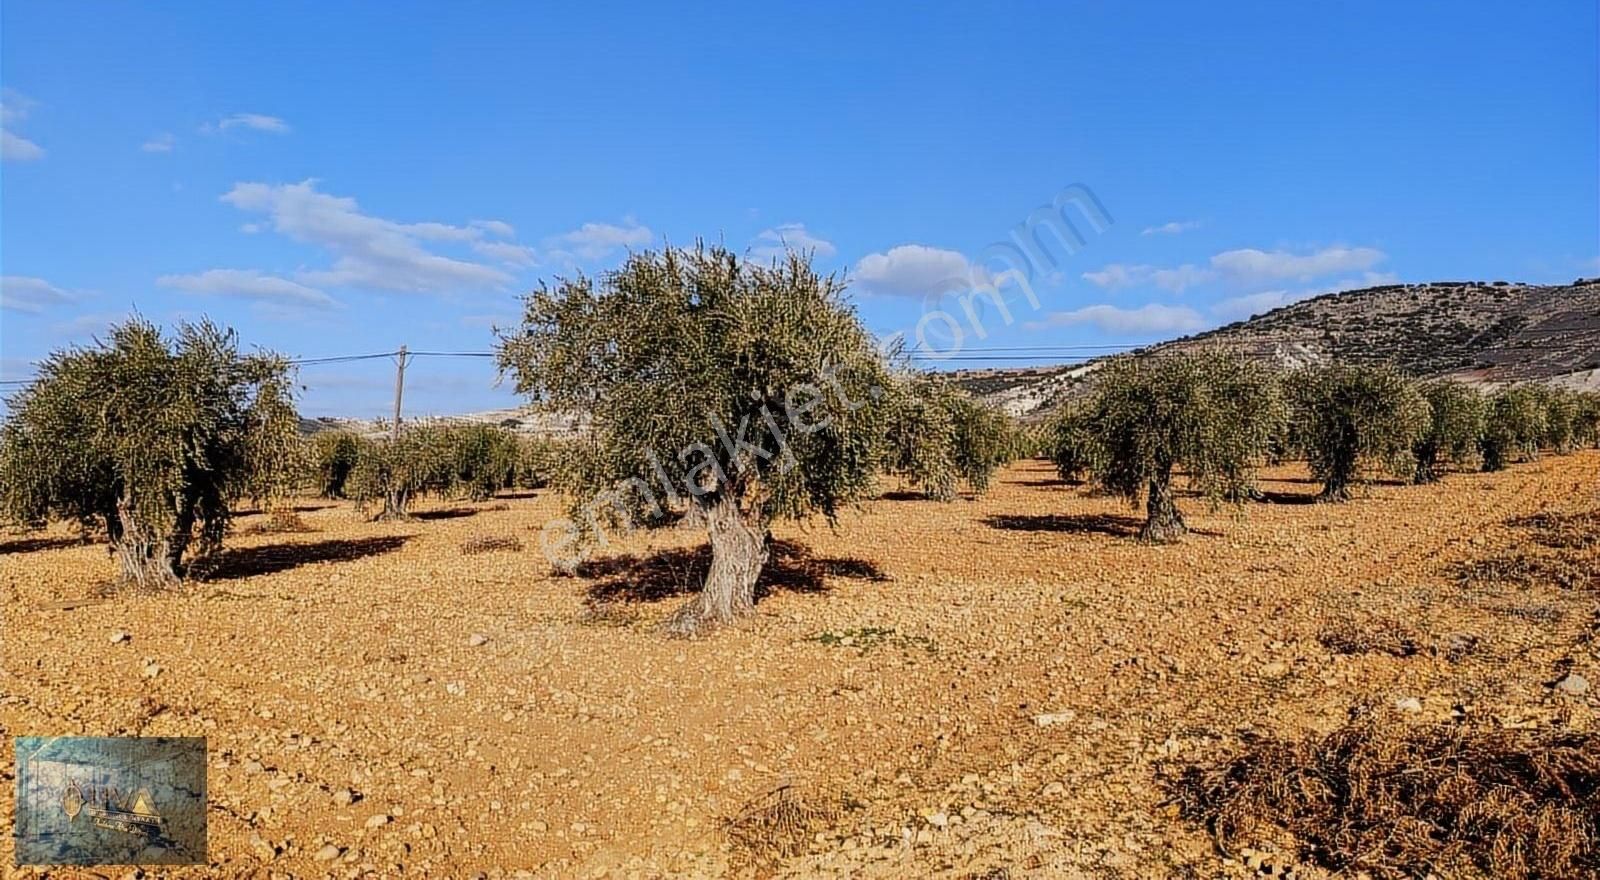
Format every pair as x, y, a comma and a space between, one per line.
1208, 414
740, 389
1514, 425
1354, 418
150, 439
1454, 428
937, 436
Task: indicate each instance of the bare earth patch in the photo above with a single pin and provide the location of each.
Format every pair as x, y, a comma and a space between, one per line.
1018, 673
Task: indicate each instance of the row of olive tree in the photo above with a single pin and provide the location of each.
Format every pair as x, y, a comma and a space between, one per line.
1215, 416
443, 460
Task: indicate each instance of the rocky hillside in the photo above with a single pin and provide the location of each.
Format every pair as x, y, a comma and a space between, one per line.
1482, 332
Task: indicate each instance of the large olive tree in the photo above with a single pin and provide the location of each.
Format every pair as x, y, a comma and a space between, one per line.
1207, 414
742, 391
1454, 429
1353, 418
150, 439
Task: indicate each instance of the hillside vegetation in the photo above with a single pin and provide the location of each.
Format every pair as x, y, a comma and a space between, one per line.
1483, 332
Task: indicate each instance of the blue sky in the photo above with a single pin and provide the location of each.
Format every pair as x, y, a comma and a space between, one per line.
334, 179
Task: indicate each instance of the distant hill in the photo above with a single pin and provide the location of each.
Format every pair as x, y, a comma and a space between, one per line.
1480, 332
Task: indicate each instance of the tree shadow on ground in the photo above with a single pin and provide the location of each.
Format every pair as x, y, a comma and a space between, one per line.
242, 562
33, 545
681, 571
903, 495
1272, 497
521, 495
298, 508
446, 513
1050, 482
1084, 523
1115, 525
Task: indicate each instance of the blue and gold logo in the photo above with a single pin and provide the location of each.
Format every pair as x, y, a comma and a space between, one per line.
110, 800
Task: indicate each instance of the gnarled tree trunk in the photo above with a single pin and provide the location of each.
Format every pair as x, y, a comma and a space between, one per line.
1163, 522
394, 506
145, 560
739, 550
1337, 486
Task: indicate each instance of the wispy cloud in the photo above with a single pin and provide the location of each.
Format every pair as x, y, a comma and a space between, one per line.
79, 327
254, 121
499, 228
596, 241
14, 108
1175, 227
1177, 279
370, 252
917, 270
29, 295
1240, 268
1153, 318
1249, 265
161, 143
248, 284
777, 241
510, 253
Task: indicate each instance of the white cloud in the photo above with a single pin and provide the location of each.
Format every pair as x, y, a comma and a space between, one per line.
21, 293
161, 143
256, 121
1173, 228
1147, 319
87, 325
918, 270
1240, 307
595, 241
1116, 276
14, 107
1240, 268
507, 252
370, 252
14, 148
775, 242
1249, 265
495, 227
248, 284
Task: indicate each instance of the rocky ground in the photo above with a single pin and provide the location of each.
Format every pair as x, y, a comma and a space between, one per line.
988, 688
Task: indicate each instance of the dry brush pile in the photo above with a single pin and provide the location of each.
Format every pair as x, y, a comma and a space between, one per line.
1396, 800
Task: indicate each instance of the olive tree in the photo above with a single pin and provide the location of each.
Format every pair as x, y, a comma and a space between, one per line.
421, 461
333, 455
1354, 418
1454, 428
1208, 414
1514, 426
937, 436
1561, 412
984, 441
920, 434
486, 459
739, 390
537, 461
149, 438
1069, 445
1586, 423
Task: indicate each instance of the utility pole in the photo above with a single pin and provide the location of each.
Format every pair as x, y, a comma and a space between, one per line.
399, 389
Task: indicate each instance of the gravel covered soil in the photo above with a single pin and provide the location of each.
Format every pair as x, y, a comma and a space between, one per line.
988, 688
